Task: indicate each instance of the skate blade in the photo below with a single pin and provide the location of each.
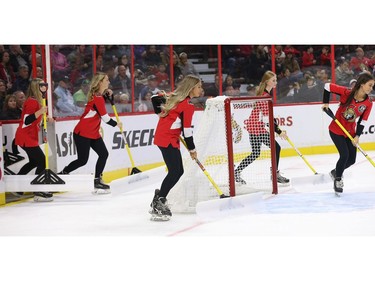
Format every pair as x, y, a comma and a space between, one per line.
99, 191
240, 183
338, 193
282, 184
224, 207
160, 218
42, 199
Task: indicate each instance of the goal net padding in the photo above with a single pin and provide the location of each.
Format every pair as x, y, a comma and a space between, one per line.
222, 142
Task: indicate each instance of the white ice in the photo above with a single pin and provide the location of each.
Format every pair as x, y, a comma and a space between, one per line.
302, 215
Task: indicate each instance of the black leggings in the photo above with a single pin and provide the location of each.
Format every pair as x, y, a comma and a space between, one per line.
347, 151
83, 150
173, 160
256, 143
36, 159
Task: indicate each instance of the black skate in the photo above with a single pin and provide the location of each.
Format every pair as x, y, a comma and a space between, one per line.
155, 198
238, 179
100, 187
43, 197
159, 209
338, 185
333, 174
281, 180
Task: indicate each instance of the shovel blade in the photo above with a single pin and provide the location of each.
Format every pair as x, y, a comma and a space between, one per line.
315, 183
224, 207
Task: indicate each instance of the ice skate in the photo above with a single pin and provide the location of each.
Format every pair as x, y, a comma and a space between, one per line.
155, 198
333, 174
338, 185
281, 180
43, 197
159, 208
238, 179
100, 187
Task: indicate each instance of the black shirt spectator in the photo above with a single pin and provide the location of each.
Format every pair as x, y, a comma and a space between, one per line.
10, 109
22, 80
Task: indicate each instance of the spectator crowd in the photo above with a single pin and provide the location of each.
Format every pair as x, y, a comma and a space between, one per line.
137, 72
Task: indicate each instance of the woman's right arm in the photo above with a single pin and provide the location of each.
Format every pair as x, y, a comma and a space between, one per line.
157, 100
187, 130
30, 118
326, 95
99, 106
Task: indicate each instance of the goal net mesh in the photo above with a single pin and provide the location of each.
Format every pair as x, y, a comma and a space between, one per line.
221, 149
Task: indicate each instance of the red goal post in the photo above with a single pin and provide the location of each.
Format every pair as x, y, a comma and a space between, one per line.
223, 142
233, 104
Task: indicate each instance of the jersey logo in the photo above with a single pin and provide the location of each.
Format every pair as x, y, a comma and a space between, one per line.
236, 131
349, 114
362, 108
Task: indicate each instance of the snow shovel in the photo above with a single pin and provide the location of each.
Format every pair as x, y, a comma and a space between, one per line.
47, 176
225, 205
134, 169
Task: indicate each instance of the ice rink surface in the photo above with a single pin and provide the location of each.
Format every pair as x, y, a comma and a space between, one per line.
306, 219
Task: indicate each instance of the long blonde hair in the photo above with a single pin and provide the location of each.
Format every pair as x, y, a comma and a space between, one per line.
33, 90
95, 85
262, 86
181, 93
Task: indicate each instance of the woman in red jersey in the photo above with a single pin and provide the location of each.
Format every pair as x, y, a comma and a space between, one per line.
353, 112
258, 129
27, 134
86, 133
175, 118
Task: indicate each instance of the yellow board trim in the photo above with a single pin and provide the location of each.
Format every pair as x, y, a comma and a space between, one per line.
2, 199
117, 174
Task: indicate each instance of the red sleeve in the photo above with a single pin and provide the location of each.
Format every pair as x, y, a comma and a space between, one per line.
367, 112
264, 108
263, 105
100, 105
343, 92
188, 115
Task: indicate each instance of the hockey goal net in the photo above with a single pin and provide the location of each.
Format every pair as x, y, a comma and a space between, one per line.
222, 143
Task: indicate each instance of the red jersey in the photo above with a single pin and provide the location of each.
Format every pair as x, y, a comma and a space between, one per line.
325, 59
357, 64
162, 77
255, 124
348, 115
169, 128
89, 123
28, 135
307, 59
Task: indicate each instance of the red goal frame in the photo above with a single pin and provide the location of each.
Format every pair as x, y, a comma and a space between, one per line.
228, 114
